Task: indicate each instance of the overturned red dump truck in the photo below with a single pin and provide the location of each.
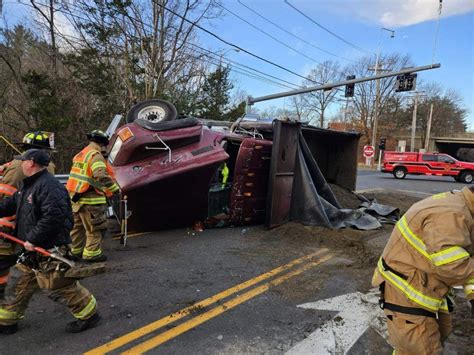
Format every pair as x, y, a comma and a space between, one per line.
168, 167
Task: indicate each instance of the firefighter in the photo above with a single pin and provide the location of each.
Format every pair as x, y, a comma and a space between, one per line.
44, 219
90, 184
224, 173
429, 251
9, 183
12, 173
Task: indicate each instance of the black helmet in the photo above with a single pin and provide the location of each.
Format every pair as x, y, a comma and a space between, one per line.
38, 140
98, 137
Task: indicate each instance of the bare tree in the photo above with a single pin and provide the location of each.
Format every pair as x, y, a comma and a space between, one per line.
365, 93
150, 42
318, 101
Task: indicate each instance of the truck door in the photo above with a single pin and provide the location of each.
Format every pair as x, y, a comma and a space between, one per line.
429, 164
448, 164
437, 166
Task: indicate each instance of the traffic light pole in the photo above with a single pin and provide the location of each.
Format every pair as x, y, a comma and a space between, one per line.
376, 108
252, 100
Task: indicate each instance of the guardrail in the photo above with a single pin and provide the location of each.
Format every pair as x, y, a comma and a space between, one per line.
62, 177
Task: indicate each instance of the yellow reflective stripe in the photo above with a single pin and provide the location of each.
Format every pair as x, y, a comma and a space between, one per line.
98, 165
9, 315
92, 200
91, 253
411, 237
442, 257
439, 196
76, 250
88, 310
113, 188
225, 173
89, 154
449, 255
431, 303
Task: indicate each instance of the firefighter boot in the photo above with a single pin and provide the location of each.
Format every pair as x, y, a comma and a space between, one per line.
80, 325
8, 329
96, 259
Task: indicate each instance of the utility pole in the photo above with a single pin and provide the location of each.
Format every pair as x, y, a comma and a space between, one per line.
413, 125
428, 129
377, 86
345, 113
413, 121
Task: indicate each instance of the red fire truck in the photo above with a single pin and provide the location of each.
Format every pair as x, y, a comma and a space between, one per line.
402, 163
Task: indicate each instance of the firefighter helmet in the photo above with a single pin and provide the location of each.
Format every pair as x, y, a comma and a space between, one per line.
98, 136
38, 139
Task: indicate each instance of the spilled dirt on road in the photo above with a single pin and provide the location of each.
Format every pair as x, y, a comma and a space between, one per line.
355, 252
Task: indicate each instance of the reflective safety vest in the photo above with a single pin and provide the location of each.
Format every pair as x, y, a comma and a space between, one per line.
81, 178
7, 190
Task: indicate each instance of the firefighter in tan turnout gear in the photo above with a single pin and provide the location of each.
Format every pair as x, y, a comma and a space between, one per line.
90, 183
44, 219
430, 251
12, 175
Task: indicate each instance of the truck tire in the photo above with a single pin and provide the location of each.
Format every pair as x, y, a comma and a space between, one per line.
466, 177
400, 172
150, 113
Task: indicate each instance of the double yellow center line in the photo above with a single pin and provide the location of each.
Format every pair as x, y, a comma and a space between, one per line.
214, 312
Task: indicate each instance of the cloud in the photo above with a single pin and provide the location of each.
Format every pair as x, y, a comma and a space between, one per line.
392, 13
400, 13
66, 34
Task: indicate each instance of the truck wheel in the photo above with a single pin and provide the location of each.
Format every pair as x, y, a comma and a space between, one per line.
400, 172
466, 177
151, 113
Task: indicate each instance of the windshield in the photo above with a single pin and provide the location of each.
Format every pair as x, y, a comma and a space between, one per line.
115, 149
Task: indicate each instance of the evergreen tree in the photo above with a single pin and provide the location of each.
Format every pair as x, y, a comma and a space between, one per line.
214, 103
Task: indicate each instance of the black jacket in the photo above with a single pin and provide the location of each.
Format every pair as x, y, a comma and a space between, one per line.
43, 211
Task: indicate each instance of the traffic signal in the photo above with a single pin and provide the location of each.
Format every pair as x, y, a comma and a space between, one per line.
405, 82
382, 144
350, 88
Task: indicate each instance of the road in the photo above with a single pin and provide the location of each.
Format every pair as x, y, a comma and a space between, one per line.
369, 179
293, 289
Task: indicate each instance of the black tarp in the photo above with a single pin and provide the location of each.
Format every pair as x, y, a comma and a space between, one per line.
314, 203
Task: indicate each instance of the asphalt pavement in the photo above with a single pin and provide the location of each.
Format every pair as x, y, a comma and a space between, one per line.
235, 290
418, 184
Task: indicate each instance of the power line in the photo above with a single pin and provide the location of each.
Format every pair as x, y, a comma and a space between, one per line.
186, 45
214, 35
80, 41
440, 8
293, 35
242, 65
274, 38
327, 29
234, 45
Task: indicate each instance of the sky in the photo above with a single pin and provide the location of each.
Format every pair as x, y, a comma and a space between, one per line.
356, 25
357, 22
